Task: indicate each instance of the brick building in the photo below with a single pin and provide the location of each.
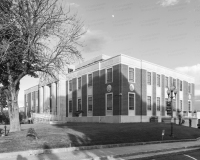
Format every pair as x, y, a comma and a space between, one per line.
112, 89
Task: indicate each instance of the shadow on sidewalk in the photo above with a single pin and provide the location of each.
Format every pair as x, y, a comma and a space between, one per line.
48, 155
19, 157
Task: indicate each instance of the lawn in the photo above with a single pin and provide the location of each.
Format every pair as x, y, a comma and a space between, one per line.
84, 134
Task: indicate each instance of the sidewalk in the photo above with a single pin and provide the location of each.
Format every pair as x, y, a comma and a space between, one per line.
116, 153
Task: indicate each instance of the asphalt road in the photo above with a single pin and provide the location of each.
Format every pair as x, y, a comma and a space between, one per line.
191, 155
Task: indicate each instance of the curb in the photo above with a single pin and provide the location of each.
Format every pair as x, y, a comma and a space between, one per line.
70, 149
141, 153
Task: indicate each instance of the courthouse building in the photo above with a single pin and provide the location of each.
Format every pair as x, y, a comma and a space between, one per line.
113, 90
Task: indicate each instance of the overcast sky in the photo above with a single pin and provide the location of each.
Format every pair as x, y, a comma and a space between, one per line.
164, 32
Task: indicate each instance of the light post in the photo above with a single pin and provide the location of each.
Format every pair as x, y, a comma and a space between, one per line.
171, 92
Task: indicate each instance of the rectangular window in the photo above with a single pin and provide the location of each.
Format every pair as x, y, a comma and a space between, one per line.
158, 80
89, 80
131, 74
166, 82
181, 105
189, 106
90, 104
174, 105
181, 86
149, 78
79, 105
70, 85
149, 102
79, 83
166, 100
109, 75
36, 98
70, 70
174, 82
70, 106
109, 101
189, 88
158, 104
131, 101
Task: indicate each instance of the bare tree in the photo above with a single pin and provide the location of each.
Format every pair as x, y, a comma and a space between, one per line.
37, 37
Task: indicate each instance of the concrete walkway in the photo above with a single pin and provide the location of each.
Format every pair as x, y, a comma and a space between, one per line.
116, 153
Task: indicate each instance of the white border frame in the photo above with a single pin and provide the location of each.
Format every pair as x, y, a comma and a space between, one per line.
147, 78
88, 104
129, 75
106, 75
106, 101
78, 83
88, 80
157, 80
147, 103
68, 107
134, 101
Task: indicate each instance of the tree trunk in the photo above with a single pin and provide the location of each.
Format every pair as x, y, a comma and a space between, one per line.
14, 111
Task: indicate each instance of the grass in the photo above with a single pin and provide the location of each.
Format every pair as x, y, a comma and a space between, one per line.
82, 134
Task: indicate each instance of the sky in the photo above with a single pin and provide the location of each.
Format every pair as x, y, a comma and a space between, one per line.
164, 32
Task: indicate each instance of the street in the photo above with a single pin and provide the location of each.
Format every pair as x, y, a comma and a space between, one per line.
191, 155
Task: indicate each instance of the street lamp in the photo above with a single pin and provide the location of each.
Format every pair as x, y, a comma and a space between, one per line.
171, 92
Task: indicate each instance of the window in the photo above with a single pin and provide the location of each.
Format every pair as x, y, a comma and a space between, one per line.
149, 78
149, 102
174, 104
131, 74
189, 106
70, 106
131, 101
189, 88
36, 98
89, 79
79, 83
109, 102
70, 70
90, 104
158, 104
181, 86
174, 82
70, 85
166, 100
166, 82
181, 105
158, 80
109, 75
79, 105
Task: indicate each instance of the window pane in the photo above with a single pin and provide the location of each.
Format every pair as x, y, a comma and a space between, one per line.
70, 85
109, 75
131, 101
70, 106
109, 101
89, 103
181, 86
158, 80
79, 105
174, 82
174, 105
79, 83
166, 82
90, 80
149, 102
158, 104
149, 78
189, 105
189, 88
181, 105
131, 74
